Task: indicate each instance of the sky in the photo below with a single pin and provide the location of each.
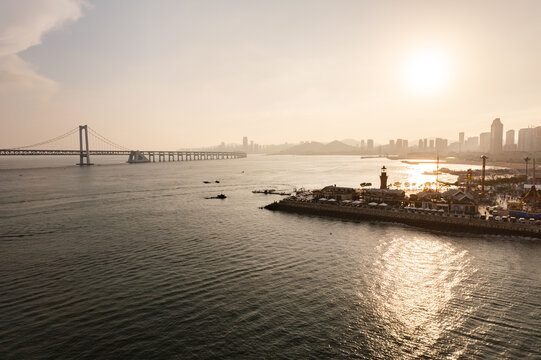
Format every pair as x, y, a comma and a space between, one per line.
169, 74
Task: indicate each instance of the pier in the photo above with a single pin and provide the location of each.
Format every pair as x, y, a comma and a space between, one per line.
433, 221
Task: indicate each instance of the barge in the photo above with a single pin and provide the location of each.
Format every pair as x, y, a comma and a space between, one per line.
433, 221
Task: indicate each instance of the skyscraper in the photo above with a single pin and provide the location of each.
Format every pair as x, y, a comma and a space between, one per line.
484, 142
526, 139
496, 136
460, 141
370, 144
510, 141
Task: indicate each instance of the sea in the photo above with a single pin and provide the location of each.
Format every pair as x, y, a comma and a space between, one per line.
131, 261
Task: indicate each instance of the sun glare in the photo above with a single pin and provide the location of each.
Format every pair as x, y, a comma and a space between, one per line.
426, 72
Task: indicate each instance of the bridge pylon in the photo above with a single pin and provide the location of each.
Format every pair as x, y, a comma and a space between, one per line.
84, 153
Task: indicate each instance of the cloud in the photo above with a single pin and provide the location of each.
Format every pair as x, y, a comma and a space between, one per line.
23, 24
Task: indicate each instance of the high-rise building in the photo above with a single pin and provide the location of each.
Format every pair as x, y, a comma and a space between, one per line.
526, 139
460, 141
245, 143
441, 145
510, 141
421, 147
472, 143
537, 138
370, 144
510, 137
362, 144
484, 142
496, 136
398, 146
425, 144
431, 144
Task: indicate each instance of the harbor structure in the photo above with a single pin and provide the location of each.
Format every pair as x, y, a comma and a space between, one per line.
383, 178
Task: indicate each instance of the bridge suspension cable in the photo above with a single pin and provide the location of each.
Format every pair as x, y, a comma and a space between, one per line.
102, 138
58, 138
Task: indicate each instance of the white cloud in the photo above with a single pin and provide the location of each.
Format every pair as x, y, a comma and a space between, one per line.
22, 25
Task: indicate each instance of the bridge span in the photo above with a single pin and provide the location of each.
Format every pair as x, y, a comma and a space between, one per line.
134, 156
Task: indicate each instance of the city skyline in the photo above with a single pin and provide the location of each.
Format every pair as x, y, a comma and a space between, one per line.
494, 141
170, 74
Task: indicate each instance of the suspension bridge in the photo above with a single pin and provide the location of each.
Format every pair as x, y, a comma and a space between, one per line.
79, 146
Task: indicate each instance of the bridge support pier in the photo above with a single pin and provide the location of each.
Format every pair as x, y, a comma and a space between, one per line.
83, 153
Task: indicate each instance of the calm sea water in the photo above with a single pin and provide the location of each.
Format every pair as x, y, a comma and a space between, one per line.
130, 261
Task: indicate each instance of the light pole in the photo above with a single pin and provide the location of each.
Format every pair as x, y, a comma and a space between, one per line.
484, 157
526, 160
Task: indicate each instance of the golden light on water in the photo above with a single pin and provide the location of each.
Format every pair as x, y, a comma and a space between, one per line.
415, 282
422, 175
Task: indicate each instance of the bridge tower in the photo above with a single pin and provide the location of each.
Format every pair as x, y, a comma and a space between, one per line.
84, 153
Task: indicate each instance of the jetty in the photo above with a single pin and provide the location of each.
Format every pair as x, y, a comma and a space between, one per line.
433, 221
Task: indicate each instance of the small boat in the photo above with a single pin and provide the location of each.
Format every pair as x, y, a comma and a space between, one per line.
221, 196
206, 182
217, 181
270, 192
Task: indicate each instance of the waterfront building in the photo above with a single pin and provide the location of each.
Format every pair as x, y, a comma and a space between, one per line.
460, 202
484, 142
420, 145
337, 193
387, 196
460, 142
245, 143
496, 136
425, 144
431, 144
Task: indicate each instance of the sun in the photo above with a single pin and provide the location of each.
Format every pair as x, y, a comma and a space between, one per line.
426, 72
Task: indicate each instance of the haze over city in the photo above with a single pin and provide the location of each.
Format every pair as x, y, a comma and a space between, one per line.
169, 74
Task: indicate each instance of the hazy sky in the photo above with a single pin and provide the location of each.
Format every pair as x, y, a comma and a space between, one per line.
168, 74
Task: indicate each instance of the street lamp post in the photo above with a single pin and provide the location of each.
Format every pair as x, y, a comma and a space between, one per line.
526, 160
484, 157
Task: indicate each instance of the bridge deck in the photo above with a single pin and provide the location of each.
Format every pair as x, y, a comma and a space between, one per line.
15, 152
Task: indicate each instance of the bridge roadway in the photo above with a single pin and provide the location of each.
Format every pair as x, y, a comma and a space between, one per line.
150, 155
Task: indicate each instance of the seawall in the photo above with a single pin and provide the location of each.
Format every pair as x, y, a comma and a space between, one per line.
427, 221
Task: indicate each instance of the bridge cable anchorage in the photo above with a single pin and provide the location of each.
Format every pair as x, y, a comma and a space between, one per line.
60, 137
107, 141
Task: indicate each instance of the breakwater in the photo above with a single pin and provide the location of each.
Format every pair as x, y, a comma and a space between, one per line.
428, 221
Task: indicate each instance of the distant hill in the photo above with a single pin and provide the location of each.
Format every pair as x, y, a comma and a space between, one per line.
351, 142
316, 148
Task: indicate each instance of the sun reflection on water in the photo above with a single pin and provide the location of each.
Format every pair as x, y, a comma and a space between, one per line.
414, 292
